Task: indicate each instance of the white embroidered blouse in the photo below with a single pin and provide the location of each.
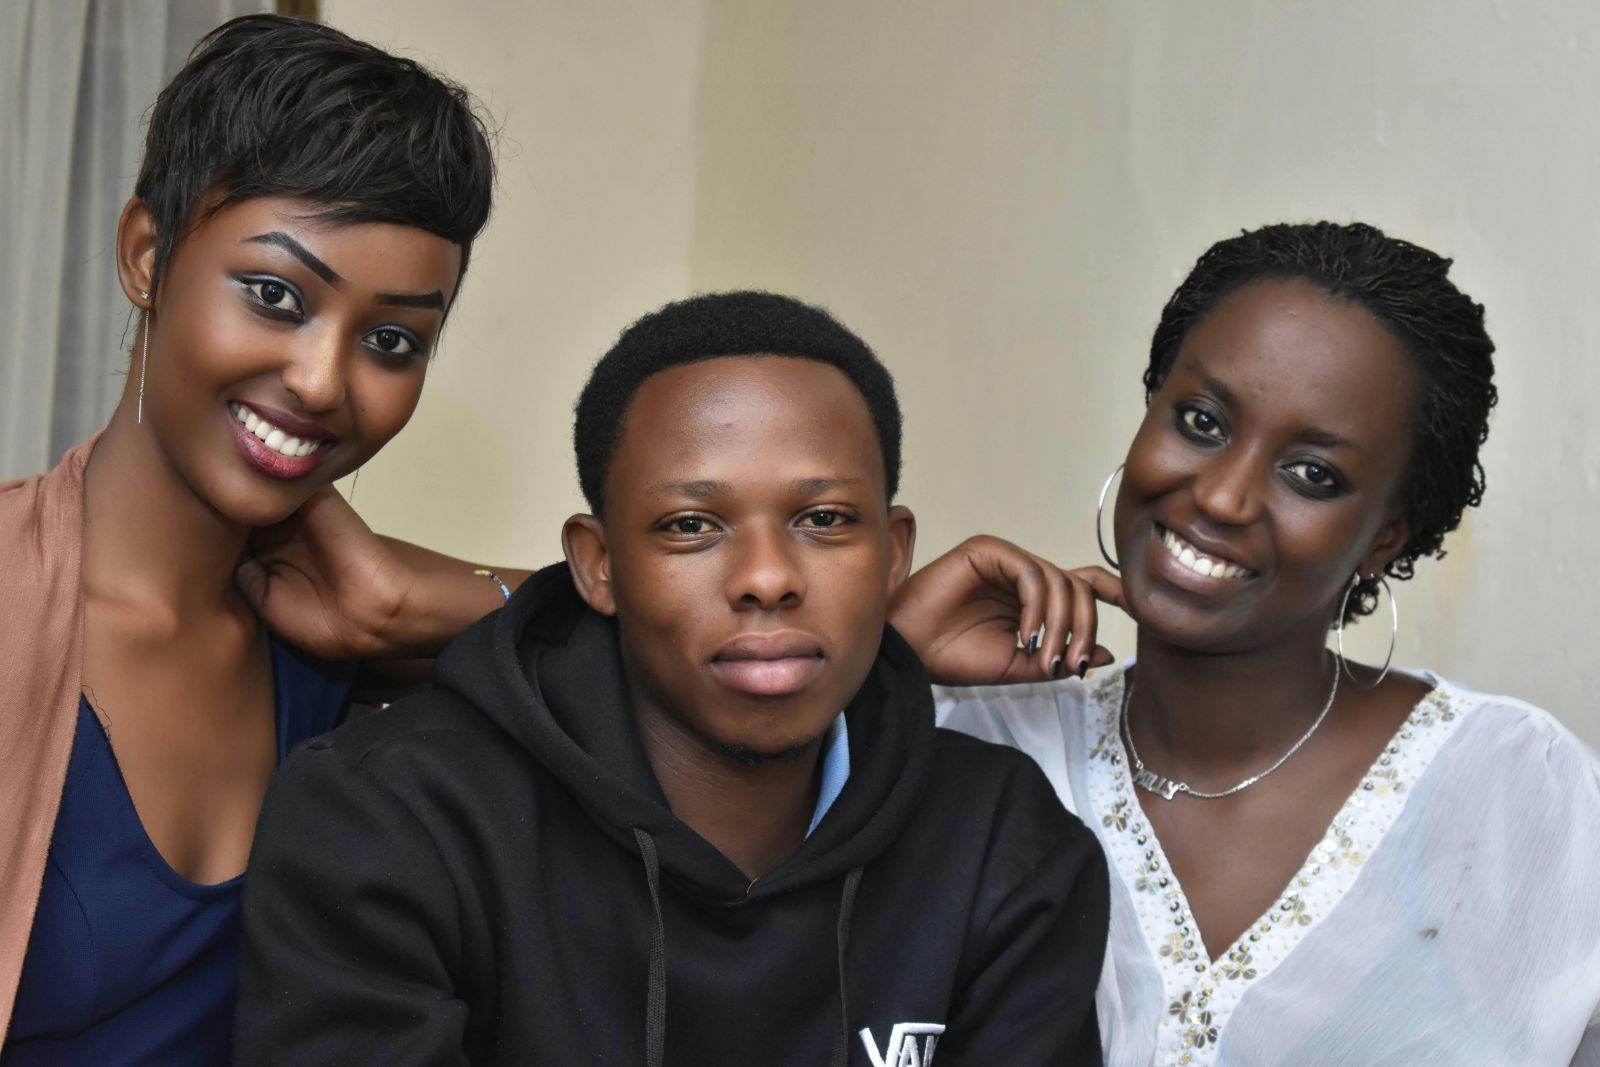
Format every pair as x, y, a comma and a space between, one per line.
1450, 915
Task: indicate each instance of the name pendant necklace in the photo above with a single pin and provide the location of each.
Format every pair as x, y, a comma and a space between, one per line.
1166, 788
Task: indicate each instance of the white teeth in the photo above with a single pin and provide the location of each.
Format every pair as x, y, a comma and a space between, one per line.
1185, 553
271, 436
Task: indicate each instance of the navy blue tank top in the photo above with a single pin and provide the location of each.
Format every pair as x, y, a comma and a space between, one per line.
129, 962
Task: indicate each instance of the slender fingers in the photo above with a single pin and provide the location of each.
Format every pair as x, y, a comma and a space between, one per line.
1057, 614
1057, 620
1031, 587
1085, 621
1044, 602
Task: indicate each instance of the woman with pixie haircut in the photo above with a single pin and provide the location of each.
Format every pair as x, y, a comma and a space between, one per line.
299, 228
1315, 862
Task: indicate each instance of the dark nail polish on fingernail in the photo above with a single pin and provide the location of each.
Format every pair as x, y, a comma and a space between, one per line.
1033, 642
1055, 667
1083, 667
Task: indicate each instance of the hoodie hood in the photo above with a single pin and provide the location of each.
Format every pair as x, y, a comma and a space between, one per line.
547, 670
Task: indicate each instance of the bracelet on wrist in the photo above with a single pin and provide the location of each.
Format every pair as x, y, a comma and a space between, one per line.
505, 589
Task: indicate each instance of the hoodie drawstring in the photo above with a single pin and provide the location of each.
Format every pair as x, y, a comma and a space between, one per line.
847, 905
655, 1011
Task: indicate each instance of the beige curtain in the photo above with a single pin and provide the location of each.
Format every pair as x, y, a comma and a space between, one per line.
77, 78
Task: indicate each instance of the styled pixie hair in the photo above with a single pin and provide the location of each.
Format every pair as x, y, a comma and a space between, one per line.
1408, 290
275, 106
723, 324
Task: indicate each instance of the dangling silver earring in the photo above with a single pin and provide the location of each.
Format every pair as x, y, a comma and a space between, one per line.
144, 357
1099, 510
1394, 627
354, 478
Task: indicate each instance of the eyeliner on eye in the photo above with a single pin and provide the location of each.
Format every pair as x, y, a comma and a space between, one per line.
1334, 485
247, 284
1193, 428
418, 349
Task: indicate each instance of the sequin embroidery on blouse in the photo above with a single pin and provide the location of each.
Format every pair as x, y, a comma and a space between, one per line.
1201, 995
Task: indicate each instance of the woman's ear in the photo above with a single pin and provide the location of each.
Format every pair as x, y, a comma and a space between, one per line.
136, 253
1389, 543
583, 540
902, 541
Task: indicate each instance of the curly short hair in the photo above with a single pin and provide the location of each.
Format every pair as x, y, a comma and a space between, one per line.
724, 324
274, 106
1407, 289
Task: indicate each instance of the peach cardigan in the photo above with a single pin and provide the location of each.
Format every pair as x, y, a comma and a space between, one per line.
41, 659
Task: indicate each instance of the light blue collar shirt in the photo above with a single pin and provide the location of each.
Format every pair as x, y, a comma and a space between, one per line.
835, 769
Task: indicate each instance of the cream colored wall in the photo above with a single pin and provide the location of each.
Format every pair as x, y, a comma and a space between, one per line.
595, 106
1000, 197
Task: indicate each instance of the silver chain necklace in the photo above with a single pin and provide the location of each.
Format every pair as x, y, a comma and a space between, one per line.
1166, 788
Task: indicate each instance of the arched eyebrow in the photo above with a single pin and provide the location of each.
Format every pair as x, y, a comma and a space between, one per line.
1328, 439
434, 299
279, 239
1215, 386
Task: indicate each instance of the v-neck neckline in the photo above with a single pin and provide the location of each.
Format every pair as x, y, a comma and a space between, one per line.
1201, 993
158, 863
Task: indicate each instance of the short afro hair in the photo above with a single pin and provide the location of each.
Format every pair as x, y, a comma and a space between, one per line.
274, 106
1407, 289
709, 327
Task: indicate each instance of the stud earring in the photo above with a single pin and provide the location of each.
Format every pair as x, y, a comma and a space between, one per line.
1394, 627
1099, 511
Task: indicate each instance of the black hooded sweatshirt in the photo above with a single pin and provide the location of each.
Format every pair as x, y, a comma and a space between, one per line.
489, 873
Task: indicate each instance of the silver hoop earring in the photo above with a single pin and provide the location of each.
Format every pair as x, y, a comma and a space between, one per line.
1394, 628
1099, 512
144, 361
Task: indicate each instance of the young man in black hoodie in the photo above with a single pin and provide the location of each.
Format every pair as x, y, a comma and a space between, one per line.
682, 801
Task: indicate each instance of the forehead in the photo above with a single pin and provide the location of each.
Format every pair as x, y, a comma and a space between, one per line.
363, 256
746, 421
1289, 349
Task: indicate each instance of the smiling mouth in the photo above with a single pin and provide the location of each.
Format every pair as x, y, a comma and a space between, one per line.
1197, 561
273, 437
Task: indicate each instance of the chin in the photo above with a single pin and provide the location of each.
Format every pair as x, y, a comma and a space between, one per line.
246, 497
746, 756
760, 751
254, 506
1179, 625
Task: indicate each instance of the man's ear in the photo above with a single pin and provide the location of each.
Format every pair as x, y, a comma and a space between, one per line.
583, 540
902, 540
136, 253
1389, 543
